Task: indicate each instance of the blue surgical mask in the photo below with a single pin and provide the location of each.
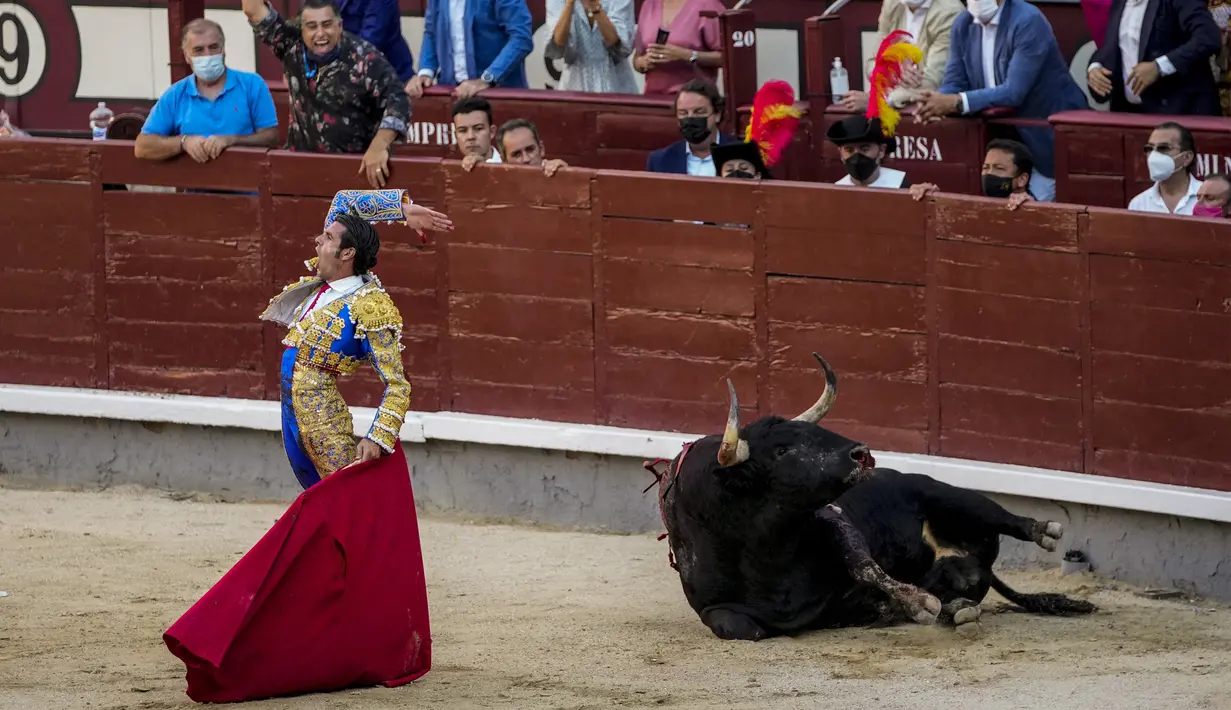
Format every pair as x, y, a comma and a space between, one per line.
208, 68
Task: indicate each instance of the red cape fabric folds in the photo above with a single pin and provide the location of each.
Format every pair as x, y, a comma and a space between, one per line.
333, 596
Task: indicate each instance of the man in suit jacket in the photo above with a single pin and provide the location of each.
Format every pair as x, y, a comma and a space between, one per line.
929, 23
379, 22
473, 45
698, 107
1003, 54
1155, 58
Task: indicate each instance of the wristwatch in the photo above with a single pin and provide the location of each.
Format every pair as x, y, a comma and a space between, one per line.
693, 58
487, 77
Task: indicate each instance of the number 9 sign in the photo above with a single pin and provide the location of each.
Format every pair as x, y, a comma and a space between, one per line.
23, 50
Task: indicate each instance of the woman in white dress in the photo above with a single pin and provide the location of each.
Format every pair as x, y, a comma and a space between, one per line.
595, 40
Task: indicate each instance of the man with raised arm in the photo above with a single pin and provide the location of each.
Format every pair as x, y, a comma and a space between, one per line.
345, 95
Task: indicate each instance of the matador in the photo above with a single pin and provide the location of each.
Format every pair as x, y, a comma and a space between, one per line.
337, 320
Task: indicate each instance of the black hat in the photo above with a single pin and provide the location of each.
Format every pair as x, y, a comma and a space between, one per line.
859, 129
723, 152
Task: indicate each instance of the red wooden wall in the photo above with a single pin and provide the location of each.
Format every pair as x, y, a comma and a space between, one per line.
1082, 339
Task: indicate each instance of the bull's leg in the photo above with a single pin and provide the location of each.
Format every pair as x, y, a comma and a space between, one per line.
921, 606
732, 625
965, 510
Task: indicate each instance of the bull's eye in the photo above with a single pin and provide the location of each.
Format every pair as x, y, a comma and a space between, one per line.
781, 451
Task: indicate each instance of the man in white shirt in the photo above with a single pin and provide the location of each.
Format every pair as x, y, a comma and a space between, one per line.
474, 129
863, 147
1170, 156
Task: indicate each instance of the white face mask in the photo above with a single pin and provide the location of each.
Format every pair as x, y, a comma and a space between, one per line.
209, 67
982, 10
1161, 165
913, 4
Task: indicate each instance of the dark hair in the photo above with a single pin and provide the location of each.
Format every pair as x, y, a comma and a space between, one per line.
704, 87
1023, 159
362, 236
512, 125
472, 104
320, 5
1186, 141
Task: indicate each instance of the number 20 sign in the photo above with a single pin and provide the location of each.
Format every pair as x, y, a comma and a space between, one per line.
743, 38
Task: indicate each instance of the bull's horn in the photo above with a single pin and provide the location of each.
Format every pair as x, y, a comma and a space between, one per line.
818, 410
734, 450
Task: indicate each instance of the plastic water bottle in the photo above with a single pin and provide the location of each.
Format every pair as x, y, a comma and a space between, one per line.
100, 119
839, 85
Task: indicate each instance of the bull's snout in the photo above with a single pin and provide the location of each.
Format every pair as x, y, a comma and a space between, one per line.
862, 456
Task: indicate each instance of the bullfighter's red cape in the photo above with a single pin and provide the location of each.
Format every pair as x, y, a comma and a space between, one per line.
333, 596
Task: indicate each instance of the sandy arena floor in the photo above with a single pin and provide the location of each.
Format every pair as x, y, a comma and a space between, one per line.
528, 618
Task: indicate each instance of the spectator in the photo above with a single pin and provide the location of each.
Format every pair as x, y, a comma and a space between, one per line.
698, 107
491, 53
380, 22
1161, 65
595, 42
1029, 75
1220, 63
771, 130
676, 45
929, 23
474, 127
520, 145
212, 109
1170, 156
863, 147
1006, 174
1213, 196
345, 96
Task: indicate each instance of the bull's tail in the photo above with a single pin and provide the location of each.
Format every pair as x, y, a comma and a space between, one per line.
1046, 603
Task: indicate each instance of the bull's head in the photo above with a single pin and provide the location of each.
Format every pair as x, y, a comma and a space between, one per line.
800, 456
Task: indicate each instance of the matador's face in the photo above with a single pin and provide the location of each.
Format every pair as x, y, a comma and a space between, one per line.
332, 261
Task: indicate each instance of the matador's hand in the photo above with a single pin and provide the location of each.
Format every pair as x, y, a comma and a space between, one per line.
367, 450
421, 218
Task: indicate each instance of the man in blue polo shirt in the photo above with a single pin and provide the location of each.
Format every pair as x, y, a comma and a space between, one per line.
215, 108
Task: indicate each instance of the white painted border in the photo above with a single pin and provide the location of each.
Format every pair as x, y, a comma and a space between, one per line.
420, 427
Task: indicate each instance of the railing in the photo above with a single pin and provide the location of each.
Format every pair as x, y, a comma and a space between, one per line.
1065, 337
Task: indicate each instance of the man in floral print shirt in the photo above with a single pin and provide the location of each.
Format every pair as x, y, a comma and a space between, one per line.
345, 95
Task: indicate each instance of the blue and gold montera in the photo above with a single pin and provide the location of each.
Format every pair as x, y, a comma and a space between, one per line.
363, 325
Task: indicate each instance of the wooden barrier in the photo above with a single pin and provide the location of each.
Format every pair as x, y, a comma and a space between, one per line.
1056, 336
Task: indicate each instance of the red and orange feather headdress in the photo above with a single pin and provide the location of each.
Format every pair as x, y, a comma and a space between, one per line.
886, 74
774, 120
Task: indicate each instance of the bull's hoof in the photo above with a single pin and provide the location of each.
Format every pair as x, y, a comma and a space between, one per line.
967, 615
1047, 535
733, 626
960, 611
921, 607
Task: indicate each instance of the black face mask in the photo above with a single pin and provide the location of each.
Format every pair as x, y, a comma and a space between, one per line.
327, 57
860, 167
996, 186
741, 174
695, 129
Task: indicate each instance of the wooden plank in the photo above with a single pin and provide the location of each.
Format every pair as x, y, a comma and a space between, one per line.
658, 196
522, 317
879, 438
1174, 470
1155, 236
877, 401
1166, 383
519, 272
679, 378
502, 184
1009, 367
1161, 284
35, 368
1009, 319
185, 345
203, 383
521, 226
1010, 415
1036, 225
828, 250
680, 243
685, 289
855, 304
826, 210
671, 415
519, 362
1182, 335
681, 334
43, 159
52, 293
1011, 271
1201, 436
225, 218
545, 403
239, 169
849, 351
985, 447
166, 301
321, 175
184, 259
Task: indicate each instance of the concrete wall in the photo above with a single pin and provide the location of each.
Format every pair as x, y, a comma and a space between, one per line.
587, 491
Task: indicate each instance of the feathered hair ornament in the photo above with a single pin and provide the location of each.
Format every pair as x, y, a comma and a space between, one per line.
774, 120
886, 74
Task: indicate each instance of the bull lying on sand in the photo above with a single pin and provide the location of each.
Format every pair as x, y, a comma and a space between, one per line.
783, 526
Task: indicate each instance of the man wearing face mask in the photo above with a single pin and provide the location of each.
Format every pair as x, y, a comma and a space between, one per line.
698, 107
1003, 54
1214, 196
1170, 155
345, 95
771, 129
863, 146
1006, 174
211, 110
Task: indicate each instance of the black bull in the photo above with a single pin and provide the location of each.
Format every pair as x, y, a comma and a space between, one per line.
783, 526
